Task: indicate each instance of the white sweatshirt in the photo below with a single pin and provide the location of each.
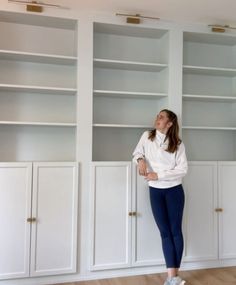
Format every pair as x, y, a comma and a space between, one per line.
170, 167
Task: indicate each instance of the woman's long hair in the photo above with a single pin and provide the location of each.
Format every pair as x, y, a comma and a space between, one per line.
172, 134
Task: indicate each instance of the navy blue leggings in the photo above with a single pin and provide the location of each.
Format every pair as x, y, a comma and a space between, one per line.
167, 208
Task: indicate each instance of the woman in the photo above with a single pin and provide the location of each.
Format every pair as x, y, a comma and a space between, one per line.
161, 159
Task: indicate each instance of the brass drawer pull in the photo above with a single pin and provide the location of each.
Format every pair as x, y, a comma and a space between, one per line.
218, 209
132, 213
31, 220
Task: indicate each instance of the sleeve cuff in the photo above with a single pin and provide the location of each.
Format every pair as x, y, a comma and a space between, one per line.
135, 159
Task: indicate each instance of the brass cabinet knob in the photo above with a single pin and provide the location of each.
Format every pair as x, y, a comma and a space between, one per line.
218, 210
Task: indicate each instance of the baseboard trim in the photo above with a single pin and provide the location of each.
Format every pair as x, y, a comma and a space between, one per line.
104, 274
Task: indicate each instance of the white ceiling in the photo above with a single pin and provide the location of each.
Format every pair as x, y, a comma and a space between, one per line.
201, 11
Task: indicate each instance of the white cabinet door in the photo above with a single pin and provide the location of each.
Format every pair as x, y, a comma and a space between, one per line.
146, 241
111, 223
54, 234
200, 218
15, 208
227, 198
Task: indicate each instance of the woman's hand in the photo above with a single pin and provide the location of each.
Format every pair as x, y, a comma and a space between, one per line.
151, 176
142, 167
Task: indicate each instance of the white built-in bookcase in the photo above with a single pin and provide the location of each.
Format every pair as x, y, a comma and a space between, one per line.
130, 86
209, 96
38, 90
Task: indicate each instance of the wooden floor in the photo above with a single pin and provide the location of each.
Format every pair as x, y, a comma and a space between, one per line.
219, 276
